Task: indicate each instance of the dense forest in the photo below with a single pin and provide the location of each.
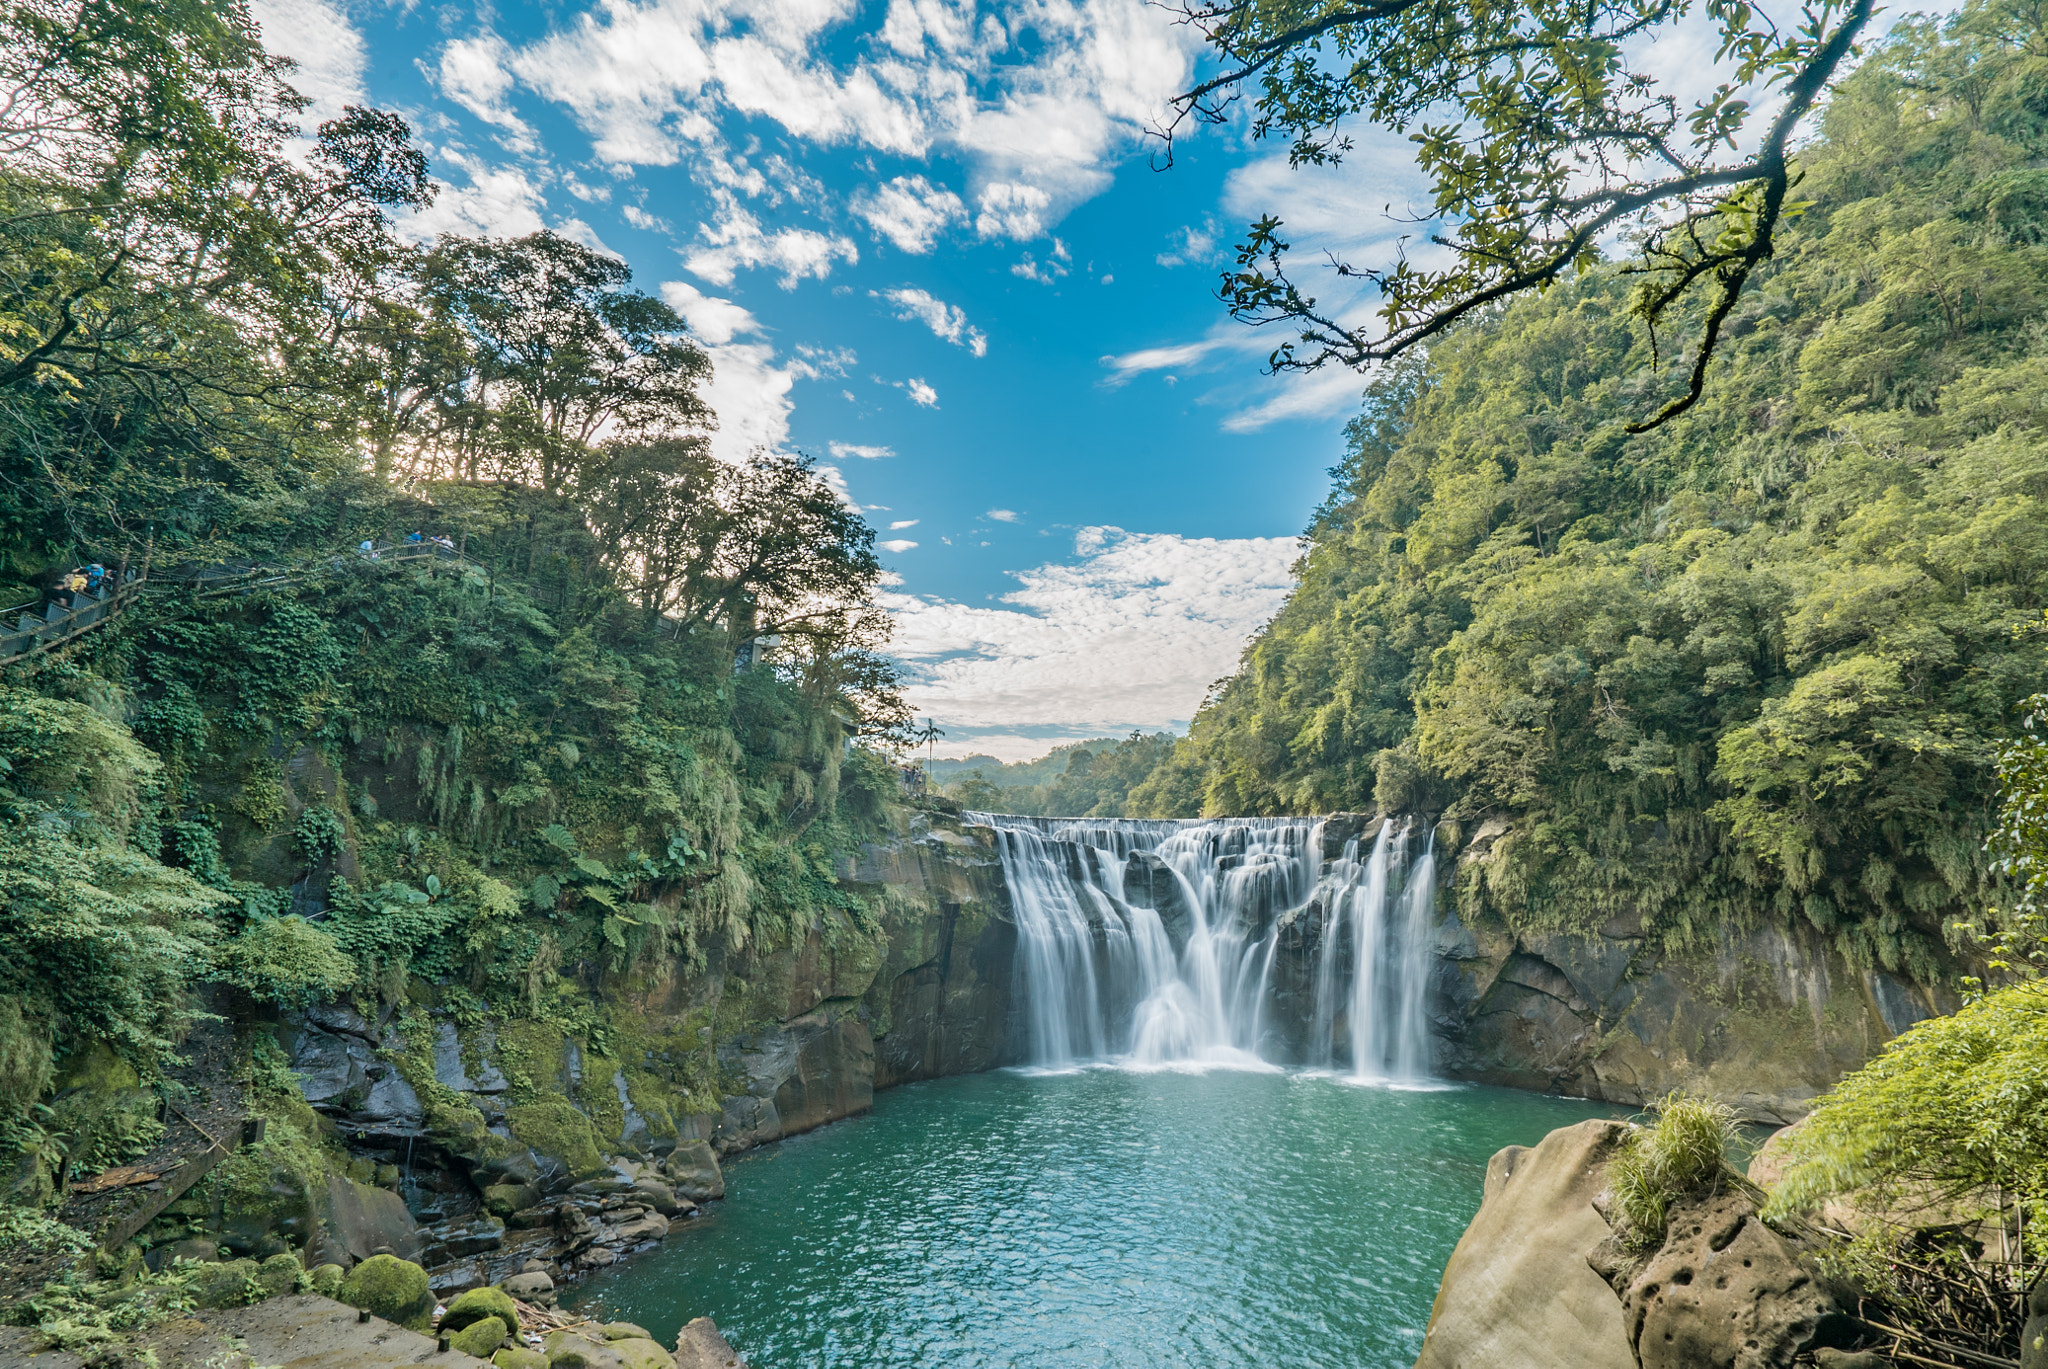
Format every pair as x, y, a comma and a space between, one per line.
1754, 662
494, 778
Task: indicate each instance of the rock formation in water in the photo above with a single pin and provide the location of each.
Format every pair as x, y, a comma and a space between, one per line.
1539, 1279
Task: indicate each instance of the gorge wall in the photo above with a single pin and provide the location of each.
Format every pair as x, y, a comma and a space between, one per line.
478, 1145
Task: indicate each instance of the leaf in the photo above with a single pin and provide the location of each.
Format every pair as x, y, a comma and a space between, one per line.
597, 893
596, 869
433, 886
560, 837
545, 892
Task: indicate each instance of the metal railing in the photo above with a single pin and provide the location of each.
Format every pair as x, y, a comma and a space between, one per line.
40, 625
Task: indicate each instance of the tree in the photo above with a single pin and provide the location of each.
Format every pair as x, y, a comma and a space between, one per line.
566, 353
929, 735
1541, 143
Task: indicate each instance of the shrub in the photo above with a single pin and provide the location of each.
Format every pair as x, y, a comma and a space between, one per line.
1684, 1153
284, 960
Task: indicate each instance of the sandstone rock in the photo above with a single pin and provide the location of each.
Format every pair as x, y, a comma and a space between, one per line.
365, 1220
459, 1239
1725, 1291
625, 1330
578, 1350
1517, 1290
693, 1168
534, 1287
657, 1195
699, 1346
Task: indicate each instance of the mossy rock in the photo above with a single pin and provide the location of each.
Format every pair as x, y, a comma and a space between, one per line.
394, 1289
520, 1358
326, 1280
554, 1127
280, 1274
625, 1330
477, 1304
480, 1338
502, 1200
233, 1284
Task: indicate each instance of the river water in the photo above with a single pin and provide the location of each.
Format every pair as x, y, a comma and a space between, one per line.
1098, 1217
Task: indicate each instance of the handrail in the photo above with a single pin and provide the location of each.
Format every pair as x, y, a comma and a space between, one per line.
40, 625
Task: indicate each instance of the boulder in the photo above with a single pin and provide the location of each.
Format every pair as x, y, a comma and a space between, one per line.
699, 1346
461, 1238
535, 1287
480, 1338
1724, 1291
280, 1274
657, 1195
625, 1330
364, 1220
584, 1348
520, 1358
391, 1288
693, 1168
326, 1279
1517, 1290
231, 1284
191, 1248
477, 1304
2034, 1335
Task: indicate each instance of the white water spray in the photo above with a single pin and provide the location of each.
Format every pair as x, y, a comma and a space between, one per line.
1155, 943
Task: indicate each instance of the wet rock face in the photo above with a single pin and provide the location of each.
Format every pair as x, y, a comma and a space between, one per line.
1766, 1021
1725, 1291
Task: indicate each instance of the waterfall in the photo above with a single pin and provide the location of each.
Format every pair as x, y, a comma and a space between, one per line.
1153, 943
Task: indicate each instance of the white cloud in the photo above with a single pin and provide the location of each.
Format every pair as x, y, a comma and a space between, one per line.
896, 544
902, 523
947, 321
910, 211
1317, 394
327, 47
1128, 635
1003, 515
1052, 269
749, 389
738, 240
1188, 245
921, 394
496, 201
1040, 98
476, 74
1176, 357
1011, 210
842, 450
640, 218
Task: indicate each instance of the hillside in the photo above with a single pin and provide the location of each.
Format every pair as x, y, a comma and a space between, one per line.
1752, 664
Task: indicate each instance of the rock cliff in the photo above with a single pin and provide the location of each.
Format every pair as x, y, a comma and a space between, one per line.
478, 1146
1764, 1019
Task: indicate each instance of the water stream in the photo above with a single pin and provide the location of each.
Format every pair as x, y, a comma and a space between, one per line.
1156, 943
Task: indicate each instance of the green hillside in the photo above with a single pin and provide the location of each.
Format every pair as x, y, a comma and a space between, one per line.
1754, 662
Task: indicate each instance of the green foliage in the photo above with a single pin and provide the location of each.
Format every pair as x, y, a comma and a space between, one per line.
1088, 779
1748, 666
1956, 1106
284, 960
1683, 1154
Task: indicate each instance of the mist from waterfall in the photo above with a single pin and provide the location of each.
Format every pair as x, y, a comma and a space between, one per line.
1153, 943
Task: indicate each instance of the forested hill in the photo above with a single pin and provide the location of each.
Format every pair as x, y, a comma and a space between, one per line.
1756, 661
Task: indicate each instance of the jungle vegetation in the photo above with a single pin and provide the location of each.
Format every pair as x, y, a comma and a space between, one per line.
502, 779
1755, 663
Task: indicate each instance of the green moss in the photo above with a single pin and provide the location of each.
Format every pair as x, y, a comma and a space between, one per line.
520, 1358
553, 1126
480, 1338
326, 1280
391, 1288
477, 1304
600, 1096
281, 1274
234, 1283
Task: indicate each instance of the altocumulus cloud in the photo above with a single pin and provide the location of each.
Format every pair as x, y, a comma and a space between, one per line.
1129, 634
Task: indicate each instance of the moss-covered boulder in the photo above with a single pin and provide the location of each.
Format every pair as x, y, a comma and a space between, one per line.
326, 1280
232, 1284
520, 1358
477, 1304
279, 1274
480, 1338
394, 1289
625, 1330
553, 1127
505, 1199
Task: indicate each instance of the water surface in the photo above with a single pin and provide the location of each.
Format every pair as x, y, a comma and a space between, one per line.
1100, 1218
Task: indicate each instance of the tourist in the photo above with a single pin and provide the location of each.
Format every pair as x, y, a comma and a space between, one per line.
368, 550
95, 577
413, 537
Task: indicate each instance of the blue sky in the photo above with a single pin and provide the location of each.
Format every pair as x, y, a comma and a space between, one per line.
924, 244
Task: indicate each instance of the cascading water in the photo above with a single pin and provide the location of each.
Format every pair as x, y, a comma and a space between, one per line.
1154, 943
